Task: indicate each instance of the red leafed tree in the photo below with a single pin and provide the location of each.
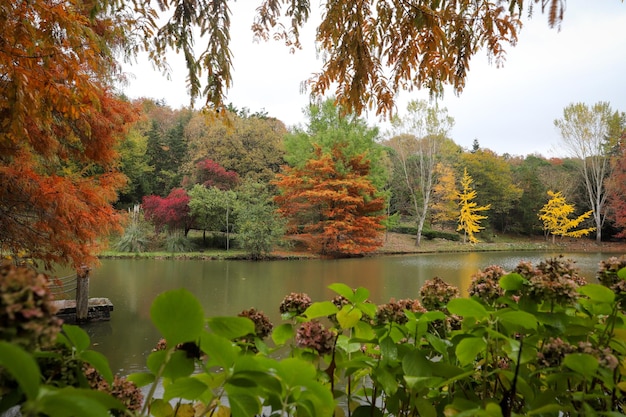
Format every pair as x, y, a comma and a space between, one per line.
331, 204
171, 211
616, 185
211, 174
59, 127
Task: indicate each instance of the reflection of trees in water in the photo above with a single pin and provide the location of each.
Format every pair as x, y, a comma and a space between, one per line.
226, 288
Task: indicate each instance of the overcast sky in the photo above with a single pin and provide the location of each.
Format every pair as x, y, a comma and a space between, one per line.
509, 109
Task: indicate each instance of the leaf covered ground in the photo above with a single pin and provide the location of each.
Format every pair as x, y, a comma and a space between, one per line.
402, 243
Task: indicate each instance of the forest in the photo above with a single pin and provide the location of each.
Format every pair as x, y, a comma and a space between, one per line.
336, 183
76, 156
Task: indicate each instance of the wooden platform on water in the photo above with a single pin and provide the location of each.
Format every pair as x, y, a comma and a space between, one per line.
99, 310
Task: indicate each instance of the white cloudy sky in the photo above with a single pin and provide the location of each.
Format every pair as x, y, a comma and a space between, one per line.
509, 109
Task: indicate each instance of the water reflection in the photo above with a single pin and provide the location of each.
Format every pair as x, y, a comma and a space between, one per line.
228, 287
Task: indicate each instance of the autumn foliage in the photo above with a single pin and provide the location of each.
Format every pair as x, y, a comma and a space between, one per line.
331, 205
59, 125
617, 188
211, 174
469, 217
171, 212
371, 49
555, 215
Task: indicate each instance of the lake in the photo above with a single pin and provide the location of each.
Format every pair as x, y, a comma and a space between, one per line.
228, 287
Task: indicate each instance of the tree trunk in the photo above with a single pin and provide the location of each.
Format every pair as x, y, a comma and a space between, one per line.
227, 228
82, 295
420, 228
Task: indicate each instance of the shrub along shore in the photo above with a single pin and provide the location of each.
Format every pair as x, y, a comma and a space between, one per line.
398, 244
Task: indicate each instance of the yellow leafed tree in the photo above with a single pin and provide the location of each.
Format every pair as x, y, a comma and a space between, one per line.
555, 217
444, 200
469, 218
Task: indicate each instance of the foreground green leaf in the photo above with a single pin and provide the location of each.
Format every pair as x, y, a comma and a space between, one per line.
321, 309
343, 290
99, 362
187, 388
70, 401
468, 348
597, 292
22, 367
512, 282
77, 337
466, 307
178, 315
231, 327
348, 317
282, 333
583, 363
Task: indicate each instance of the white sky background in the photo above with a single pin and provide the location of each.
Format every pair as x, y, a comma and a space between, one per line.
508, 110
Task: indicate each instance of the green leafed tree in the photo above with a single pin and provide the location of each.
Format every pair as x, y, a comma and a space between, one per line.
259, 225
134, 164
491, 173
416, 148
589, 134
527, 175
250, 145
212, 210
328, 128
469, 217
166, 147
555, 215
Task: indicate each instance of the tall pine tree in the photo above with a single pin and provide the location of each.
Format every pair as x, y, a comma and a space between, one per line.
469, 219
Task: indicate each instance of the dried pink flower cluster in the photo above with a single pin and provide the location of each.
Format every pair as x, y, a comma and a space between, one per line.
605, 356
607, 271
607, 275
485, 284
191, 349
122, 389
26, 309
555, 349
393, 311
161, 345
560, 267
554, 280
295, 303
561, 290
262, 324
553, 352
340, 301
436, 293
314, 335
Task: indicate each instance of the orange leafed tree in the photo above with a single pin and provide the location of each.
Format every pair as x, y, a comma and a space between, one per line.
331, 204
371, 49
616, 185
59, 127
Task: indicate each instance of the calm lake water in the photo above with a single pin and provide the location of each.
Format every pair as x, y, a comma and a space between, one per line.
228, 287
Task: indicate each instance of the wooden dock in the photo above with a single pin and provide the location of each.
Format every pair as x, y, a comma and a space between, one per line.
98, 309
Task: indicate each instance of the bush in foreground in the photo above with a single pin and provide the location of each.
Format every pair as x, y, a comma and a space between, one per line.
542, 344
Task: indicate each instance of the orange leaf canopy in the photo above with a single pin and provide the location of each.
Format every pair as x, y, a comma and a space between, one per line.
59, 126
336, 211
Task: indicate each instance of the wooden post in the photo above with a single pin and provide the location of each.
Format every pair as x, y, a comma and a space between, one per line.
82, 294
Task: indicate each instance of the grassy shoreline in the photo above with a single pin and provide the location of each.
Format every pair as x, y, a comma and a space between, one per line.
397, 244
